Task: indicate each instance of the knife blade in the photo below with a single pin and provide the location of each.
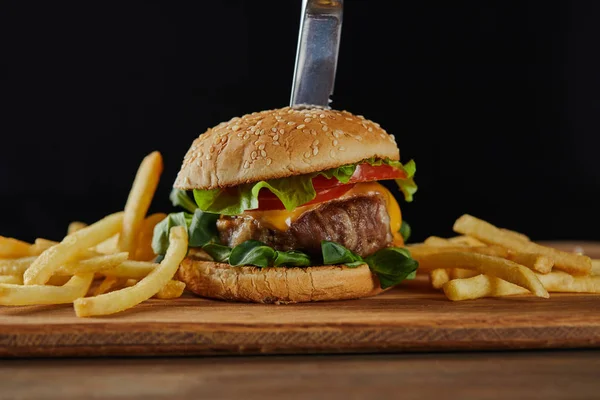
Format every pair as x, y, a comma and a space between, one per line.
317, 53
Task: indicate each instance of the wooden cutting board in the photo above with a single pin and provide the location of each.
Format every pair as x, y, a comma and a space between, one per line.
412, 317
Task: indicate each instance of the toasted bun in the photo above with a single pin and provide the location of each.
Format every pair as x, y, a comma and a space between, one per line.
280, 143
277, 285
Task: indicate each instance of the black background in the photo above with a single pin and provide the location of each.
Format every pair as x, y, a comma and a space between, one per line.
496, 101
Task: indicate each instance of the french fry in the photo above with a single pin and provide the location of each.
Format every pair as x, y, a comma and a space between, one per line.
172, 290
75, 226
144, 250
438, 277
12, 279
109, 246
50, 260
19, 295
13, 248
460, 273
123, 299
95, 264
56, 280
466, 241
572, 263
536, 262
15, 266
109, 283
559, 281
40, 245
516, 235
480, 286
131, 269
595, 267
437, 242
418, 252
138, 202
489, 265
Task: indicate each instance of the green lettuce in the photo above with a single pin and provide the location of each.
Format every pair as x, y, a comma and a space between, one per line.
293, 191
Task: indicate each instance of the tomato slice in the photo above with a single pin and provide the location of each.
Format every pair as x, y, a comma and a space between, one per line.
268, 201
328, 189
363, 173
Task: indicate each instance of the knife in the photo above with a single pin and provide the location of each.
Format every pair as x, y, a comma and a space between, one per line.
317, 53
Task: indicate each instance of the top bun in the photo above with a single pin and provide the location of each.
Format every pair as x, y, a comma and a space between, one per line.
280, 143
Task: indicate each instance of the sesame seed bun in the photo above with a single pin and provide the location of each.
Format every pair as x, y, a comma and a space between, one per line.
280, 143
276, 285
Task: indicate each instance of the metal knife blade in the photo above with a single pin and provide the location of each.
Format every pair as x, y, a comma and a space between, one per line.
317, 52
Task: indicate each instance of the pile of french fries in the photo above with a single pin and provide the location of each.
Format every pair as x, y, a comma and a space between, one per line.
487, 261
103, 268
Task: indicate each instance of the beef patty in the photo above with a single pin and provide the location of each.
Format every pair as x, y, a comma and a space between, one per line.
360, 223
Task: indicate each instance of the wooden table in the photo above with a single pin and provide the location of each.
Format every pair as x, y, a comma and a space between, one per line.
548, 375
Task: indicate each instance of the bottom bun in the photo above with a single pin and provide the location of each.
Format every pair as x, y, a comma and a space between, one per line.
277, 285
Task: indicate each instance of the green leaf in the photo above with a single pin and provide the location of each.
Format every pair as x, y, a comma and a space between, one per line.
342, 174
293, 191
291, 258
160, 239
202, 228
334, 254
405, 231
392, 265
252, 252
407, 185
180, 198
217, 252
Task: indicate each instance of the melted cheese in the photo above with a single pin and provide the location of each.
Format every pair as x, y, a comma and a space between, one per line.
283, 219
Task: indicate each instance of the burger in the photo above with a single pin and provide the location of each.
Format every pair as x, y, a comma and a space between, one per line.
285, 206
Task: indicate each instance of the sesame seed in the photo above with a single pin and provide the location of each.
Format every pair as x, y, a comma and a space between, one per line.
300, 126
335, 142
315, 151
359, 138
307, 120
253, 155
273, 129
246, 164
208, 157
259, 122
262, 146
269, 161
275, 143
305, 131
278, 118
332, 153
323, 121
263, 153
240, 134
291, 123
341, 148
348, 119
370, 129
276, 137
313, 132
307, 154
336, 133
325, 128
382, 135
235, 128
281, 131
322, 116
257, 133
361, 117
246, 136
316, 142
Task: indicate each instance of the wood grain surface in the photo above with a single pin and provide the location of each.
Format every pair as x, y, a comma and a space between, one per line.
411, 317
535, 375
